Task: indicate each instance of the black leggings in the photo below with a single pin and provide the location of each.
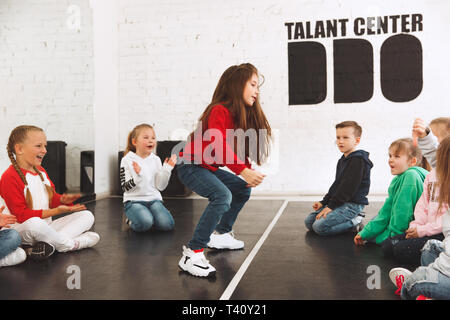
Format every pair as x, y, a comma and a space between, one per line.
406, 251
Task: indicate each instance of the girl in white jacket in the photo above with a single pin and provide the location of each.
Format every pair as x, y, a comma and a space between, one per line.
142, 177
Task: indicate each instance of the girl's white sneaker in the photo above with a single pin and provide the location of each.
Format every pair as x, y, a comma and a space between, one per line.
225, 241
398, 277
15, 257
195, 263
87, 239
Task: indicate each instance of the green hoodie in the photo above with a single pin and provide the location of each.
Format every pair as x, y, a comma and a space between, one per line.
398, 209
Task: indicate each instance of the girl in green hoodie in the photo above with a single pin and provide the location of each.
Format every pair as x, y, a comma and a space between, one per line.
404, 191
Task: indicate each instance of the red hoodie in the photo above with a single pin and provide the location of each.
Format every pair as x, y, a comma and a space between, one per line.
13, 191
210, 152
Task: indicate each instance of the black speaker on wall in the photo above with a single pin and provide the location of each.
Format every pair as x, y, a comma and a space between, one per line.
87, 172
54, 163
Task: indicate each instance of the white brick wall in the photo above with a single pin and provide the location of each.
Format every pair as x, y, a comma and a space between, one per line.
46, 75
172, 54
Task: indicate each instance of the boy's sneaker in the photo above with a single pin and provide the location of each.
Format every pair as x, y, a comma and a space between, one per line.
86, 240
398, 276
358, 228
225, 241
195, 263
359, 218
15, 257
39, 251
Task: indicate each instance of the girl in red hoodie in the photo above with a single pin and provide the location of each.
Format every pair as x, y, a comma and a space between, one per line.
232, 130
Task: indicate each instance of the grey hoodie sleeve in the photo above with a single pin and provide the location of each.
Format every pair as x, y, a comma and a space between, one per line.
428, 145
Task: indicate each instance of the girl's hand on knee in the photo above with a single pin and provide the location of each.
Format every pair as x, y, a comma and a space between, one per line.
252, 177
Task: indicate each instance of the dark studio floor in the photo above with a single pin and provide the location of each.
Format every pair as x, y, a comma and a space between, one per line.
291, 264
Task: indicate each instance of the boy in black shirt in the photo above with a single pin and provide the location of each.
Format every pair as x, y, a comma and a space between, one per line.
340, 209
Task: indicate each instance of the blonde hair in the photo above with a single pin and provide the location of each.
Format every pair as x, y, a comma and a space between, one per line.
443, 171
133, 135
442, 120
19, 135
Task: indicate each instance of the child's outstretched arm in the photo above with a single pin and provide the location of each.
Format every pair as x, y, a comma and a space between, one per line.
379, 224
426, 141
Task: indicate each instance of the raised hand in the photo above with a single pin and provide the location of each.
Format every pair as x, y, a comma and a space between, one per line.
172, 161
419, 130
136, 167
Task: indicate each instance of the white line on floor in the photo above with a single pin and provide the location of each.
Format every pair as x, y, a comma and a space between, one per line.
238, 276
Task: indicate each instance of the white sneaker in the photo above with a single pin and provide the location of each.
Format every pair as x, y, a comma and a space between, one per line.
86, 240
195, 263
398, 277
15, 257
225, 241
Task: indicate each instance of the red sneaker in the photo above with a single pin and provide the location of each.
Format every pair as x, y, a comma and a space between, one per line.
422, 297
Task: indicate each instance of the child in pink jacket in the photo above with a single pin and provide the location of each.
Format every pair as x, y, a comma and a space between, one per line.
427, 224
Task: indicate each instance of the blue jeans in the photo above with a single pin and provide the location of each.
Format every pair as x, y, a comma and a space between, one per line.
143, 215
337, 221
9, 241
426, 280
227, 194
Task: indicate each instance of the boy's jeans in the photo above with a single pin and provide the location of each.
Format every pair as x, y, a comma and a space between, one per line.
426, 280
337, 221
143, 215
227, 194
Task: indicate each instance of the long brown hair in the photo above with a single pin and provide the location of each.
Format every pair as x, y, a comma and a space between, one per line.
19, 135
133, 135
443, 171
229, 93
